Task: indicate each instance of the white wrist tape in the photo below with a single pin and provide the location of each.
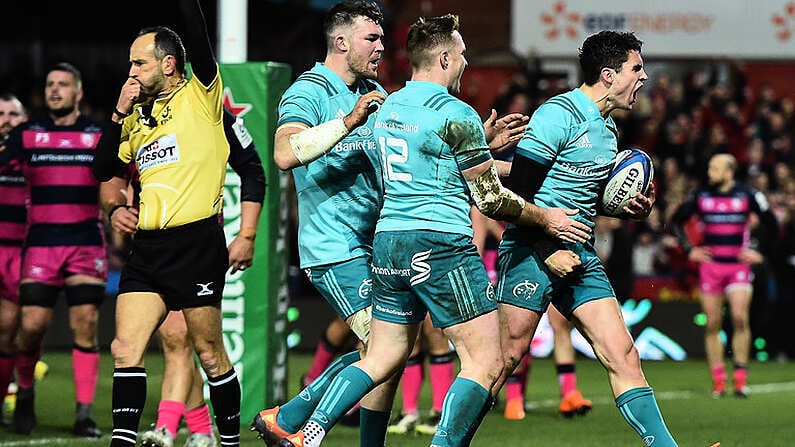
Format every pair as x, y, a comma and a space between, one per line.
309, 144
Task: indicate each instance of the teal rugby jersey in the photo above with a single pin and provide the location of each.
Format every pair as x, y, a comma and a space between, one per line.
569, 135
427, 137
339, 194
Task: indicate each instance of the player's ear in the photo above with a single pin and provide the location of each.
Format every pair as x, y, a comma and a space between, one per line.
443, 59
607, 74
341, 43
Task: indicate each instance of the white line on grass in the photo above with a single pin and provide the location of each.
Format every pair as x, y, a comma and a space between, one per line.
548, 403
52, 441
674, 395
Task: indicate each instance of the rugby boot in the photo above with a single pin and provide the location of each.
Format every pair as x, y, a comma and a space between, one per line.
403, 424
265, 424
718, 389
86, 428
429, 424
24, 413
573, 403
514, 409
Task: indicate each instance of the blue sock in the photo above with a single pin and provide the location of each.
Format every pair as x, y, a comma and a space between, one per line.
350, 385
294, 413
461, 412
639, 408
372, 427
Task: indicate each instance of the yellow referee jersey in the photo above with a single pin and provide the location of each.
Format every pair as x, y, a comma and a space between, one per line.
180, 151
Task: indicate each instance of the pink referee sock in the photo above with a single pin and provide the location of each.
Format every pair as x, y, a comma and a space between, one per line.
442, 375
198, 420
169, 413
85, 369
411, 383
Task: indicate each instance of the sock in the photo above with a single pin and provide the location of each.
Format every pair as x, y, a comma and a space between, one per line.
490, 403
740, 376
225, 398
85, 369
169, 413
372, 428
513, 388
347, 388
524, 367
25, 363
324, 355
461, 413
567, 378
295, 412
411, 382
718, 373
6, 371
198, 420
442, 375
639, 408
129, 398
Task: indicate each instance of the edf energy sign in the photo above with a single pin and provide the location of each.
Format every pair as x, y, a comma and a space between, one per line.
674, 28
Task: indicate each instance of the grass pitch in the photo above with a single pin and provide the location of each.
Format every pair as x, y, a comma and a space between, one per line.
682, 390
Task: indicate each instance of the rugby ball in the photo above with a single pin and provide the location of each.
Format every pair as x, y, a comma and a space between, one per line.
632, 173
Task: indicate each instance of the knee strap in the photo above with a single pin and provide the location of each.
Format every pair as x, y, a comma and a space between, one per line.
85, 294
38, 294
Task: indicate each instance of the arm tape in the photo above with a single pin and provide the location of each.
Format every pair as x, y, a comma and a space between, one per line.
493, 199
310, 144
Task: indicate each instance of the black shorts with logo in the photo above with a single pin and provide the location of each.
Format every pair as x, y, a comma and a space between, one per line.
186, 265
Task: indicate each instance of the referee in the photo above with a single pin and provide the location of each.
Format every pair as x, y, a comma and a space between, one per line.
171, 127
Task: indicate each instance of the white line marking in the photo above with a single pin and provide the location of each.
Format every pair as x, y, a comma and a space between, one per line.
761, 388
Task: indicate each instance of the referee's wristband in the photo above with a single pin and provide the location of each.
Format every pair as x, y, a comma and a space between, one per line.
120, 113
113, 210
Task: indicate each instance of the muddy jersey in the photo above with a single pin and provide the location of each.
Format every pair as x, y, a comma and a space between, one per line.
339, 194
427, 137
63, 193
179, 148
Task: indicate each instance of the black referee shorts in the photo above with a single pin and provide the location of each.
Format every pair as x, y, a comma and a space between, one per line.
186, 265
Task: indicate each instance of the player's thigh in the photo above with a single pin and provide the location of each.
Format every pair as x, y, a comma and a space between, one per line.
477, 343
523, 290
344, 285
435, 339
602, 323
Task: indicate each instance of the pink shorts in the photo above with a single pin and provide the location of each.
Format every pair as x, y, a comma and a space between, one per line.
10, 265
51, 265
718, 277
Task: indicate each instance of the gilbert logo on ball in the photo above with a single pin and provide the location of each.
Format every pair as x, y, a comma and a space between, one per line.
632, 173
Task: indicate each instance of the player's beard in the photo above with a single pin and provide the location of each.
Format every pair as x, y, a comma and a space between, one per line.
62, 111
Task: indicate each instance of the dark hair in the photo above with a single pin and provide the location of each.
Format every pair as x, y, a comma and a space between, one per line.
426, 34
69, 68
167, 42
606, 49
346, 12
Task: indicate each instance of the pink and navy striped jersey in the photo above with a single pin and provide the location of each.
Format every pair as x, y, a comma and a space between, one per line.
13, 202
63, 206
725, 218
